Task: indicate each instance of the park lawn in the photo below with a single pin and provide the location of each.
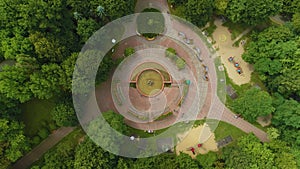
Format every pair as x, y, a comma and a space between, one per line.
36, 115
236, 29
221, 86
224, 129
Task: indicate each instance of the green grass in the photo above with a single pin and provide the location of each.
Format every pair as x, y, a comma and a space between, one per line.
221, 86
36, 115
236, 29
224, 129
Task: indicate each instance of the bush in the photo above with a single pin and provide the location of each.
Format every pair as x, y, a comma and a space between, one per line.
180, 63
64, 115
43, 133
171, 53
52, 126
129, 51
36, 140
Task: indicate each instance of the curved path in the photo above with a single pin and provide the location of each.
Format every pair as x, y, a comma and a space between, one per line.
225, 115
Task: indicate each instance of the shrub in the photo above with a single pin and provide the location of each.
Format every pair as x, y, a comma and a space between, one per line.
129, 51
180, 63
36, 140
43, 133
171, 53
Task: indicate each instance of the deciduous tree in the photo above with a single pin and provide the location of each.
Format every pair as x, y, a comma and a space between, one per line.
253, 103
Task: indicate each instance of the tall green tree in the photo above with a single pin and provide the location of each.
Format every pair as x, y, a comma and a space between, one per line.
252, 12
46, 83
199, 11
64, 114
253, 103
287, 114
12, 142
276, 57
89, 155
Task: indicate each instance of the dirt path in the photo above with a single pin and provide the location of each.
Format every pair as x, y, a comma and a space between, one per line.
36, 153
223, 41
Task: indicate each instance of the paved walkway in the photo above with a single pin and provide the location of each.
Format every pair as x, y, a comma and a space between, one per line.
277, 19
35, 154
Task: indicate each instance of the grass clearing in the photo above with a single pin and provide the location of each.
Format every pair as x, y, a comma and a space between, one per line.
224, 129
221, 86
36, 115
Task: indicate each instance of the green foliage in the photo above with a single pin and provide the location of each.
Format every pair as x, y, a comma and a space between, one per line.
64, 114
171, 53
177, 2
86, 28
273, 133
224, 129
14, 83
290, 7
129, 51
251, 153
48, 48
13, 46
100, 132
89, 155
86, 69
199, 12
252, 12
43, 133
296, 22
116, 121
287, 114
68, 66
36, 115
207, 160
12, 141
161, 161
274, 53
185, 161
180, 63
221, 6
253, 103
47, 82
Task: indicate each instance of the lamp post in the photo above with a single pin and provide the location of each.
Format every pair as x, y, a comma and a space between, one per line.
113, 41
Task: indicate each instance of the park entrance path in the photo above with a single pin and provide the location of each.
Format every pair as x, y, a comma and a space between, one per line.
36, 153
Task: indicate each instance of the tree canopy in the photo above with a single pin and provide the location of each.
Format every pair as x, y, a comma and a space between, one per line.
251, 12
253, 103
